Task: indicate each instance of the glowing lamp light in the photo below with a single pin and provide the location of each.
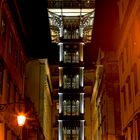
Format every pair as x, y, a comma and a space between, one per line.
21, 120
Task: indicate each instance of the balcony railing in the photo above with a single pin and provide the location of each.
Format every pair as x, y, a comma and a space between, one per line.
71, 4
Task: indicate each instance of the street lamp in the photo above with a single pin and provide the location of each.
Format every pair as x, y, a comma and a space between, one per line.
21, 118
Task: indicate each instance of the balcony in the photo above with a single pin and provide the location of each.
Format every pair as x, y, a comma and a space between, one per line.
71, 24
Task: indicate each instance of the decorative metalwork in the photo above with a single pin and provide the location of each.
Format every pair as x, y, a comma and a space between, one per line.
71, 4
71, 27
87, 23
71, 19
55, 23
3, 107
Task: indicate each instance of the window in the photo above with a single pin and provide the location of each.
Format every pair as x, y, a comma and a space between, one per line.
71, 81
135, 72
75, 57
11, 43
71, 54
67, 133
64, 107
6, 132
67, 82
75, 133
15, 96
138, 19
3, 27
68, 107
16, 58
124, 97
138, 127
71, 107
75, 82
75, 107
133, 35
71, 34
131, 129
1, 77
71, 133
129, 89
8, 87
127, 49
122, 62
67, 57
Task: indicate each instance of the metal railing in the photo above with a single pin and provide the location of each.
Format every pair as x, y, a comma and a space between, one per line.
71, 4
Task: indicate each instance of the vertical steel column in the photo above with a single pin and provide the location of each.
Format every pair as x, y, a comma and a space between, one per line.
60, 103
81, 129
60, 130
82, 103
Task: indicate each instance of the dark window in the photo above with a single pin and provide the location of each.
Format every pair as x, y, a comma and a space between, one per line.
124, 97
15, 97
133, 35
131, 127
71, 54
11, 43
8, 88
127, 49
6, 132
135, 72
122, 62
71, 34
3, 27
129, 89
138, 127
1, 77
16, 58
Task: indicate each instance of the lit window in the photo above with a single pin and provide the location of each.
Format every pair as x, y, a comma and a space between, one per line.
71, 133
71, 107
71, 82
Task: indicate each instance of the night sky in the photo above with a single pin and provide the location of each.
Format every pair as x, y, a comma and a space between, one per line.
35, 20
37, 38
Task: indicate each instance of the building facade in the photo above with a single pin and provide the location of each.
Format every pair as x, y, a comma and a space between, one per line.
106, 96
38, 91
118, 99
94, 102
128, 56
12, 73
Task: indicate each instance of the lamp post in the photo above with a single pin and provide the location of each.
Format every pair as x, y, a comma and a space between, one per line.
21, 118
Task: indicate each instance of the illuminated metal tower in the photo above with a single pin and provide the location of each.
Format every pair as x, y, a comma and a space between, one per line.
71, 83
71, 33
